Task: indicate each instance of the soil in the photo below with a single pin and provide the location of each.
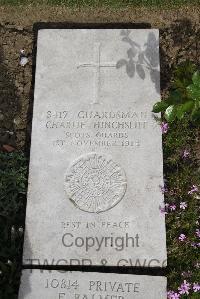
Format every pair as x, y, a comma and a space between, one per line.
179, 40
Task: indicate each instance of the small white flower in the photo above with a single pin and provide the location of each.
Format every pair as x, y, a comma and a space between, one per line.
21, 230
197, 265
12, 229
183, 205
9, 262
23, 61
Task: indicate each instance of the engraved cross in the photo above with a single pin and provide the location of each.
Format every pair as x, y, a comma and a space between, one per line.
97, 65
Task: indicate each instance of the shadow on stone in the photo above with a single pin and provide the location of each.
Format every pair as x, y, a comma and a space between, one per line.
141, 58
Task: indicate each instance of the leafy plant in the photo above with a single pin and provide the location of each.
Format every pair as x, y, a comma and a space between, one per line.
184, 96
13, 184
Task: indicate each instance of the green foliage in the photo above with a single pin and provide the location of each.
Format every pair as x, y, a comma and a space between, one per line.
180, 175
13, 184
184, 96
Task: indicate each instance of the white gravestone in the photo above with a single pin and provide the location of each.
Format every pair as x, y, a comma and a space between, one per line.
77, 285
96, 152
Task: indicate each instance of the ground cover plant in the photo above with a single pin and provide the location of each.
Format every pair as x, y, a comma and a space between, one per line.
181, 188
13, 185
180, 125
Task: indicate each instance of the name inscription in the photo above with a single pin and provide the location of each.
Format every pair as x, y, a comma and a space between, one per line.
94, 129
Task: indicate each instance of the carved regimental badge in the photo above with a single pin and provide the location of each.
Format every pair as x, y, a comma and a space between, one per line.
95, 183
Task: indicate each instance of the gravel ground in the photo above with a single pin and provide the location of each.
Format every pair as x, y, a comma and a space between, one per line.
179, 40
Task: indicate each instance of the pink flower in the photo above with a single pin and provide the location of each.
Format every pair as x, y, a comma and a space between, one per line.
196, 287
173, 295
195, 245
186, 154
194, 189
164, 127
184, 288
169, 294
172, 207
163, 189
182, 237
183, 205
198, 232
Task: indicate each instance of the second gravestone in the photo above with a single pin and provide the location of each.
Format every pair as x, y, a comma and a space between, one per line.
96, 152
40, 284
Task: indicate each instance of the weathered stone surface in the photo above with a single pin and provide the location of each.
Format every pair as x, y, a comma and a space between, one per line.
96, 152
79, 285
